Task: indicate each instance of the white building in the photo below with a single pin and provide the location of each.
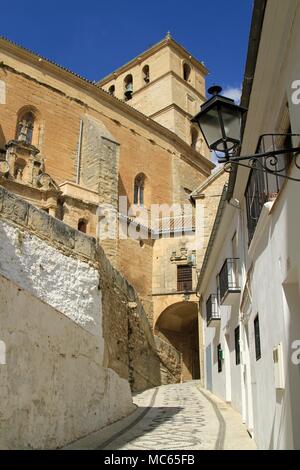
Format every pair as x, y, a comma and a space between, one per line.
249, 282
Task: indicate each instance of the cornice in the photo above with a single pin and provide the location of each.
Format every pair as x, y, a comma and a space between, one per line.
171, 106
175, 75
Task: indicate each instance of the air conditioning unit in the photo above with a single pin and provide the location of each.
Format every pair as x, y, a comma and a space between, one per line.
278, 367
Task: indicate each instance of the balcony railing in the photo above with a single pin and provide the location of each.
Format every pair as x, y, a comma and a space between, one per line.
229, 278
263, 186
212, 309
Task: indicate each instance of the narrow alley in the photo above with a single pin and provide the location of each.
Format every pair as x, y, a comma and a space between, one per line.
174, 417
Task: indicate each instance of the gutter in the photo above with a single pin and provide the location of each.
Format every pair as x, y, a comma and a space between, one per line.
253, 48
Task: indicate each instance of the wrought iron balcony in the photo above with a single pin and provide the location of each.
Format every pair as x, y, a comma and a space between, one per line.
229, 279
267, 176
212, 309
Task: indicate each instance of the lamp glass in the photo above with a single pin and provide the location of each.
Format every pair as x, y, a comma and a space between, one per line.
232, 123
210, 126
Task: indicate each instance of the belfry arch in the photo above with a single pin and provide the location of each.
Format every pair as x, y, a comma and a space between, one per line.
178, 324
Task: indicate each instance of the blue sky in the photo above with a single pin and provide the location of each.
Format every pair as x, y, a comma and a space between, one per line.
93, 38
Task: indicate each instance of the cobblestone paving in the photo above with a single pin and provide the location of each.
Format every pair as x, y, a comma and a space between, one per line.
180, 417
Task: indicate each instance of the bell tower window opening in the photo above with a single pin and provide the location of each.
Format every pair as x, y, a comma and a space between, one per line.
139, 189
186, 72
112, 90
128, 87
146, 74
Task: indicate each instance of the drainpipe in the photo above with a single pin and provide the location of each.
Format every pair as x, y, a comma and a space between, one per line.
79, 152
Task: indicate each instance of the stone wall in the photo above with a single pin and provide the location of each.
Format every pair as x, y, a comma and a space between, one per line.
207, 198
136, 261
129, 348
100, 161
171, 361
53, 387
97, 298
57, 281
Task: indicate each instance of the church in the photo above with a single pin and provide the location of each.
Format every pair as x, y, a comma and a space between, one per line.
74, 151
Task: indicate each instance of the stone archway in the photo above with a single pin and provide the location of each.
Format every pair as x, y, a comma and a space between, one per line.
178, 324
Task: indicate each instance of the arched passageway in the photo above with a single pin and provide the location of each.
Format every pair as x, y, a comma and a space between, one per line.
178, 324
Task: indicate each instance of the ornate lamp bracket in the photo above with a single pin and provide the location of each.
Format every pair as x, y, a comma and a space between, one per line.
273, 161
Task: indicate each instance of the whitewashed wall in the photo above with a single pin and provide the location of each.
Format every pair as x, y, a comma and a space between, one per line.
66, 283
225, 384
54, 388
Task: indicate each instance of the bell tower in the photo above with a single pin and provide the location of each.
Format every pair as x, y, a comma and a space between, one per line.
167, 84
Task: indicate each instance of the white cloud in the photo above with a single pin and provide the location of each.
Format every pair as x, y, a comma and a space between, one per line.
234, 93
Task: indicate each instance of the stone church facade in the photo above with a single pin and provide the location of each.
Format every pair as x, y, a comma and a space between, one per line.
72, 148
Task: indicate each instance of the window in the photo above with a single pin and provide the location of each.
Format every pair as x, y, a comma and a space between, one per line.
257, 338
186, 72
25, 127
237, 345
112, 90
194, 137
184, 278
82, 225
128, 87
212, 309
139, 188
220, 357
227, 280
146, 74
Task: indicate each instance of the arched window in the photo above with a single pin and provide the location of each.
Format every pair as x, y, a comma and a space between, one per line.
186, 72
112, 90
128, 87
25, 127
194, 137
139, 189
146, 74
82, 225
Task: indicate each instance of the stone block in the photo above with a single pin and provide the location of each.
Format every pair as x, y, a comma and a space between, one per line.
14, 208
85, 245
39, 220
61, 233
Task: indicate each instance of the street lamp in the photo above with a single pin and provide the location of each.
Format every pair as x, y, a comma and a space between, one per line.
220, 121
